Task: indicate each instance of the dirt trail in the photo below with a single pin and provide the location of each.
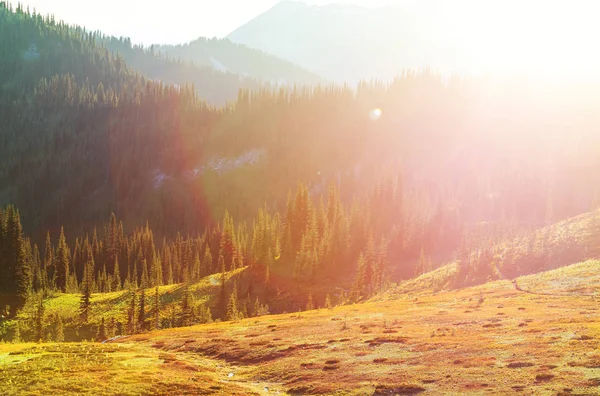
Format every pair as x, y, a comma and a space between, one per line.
233, 375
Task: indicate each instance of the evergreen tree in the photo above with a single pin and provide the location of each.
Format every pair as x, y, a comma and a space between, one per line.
327, 301
111, 328
232, 308
131, 317
59, 335
142, 311
101, 335
309, 304
187, 312
49, 267
39, 322
116, 280
86, 290
62, 262
256, 308
17, 333
204, 315
156, 308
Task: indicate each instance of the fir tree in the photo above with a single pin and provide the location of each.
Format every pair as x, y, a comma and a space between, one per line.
142, 311
17, 333
49, 267
327, 301
232, 308
59, 335
256, 307
86, 290
186, 307
62, 262
101, 335
39, 322
131, 318
204, 315
116, 286
309, 304
156, 308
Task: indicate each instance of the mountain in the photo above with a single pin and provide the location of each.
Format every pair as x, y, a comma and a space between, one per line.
347, 43
213, 84
225, 56
218, 69
324, 186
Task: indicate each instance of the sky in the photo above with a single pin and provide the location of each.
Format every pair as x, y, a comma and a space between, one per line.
168, 21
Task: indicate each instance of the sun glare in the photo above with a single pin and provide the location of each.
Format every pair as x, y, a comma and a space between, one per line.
554, 39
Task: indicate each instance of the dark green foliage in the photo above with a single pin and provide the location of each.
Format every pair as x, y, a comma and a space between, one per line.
232, 308
59, 335
62, 263
131, 314
142, 311
187, 307
101, 335
39, 322
86, 289
156, 309
16, 262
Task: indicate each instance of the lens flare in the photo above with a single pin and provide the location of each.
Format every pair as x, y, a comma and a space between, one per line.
375, 114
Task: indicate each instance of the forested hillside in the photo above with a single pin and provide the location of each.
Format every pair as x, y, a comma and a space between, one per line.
320, 187
223, 55
218, 69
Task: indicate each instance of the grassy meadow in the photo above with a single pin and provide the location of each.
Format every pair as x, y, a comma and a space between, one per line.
490, 339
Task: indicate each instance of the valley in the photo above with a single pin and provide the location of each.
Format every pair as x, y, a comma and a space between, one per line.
334, 199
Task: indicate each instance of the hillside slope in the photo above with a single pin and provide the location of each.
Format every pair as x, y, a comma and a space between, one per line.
552, 247
224, 55
490, 338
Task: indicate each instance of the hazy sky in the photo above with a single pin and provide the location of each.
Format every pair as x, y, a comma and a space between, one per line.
167, 21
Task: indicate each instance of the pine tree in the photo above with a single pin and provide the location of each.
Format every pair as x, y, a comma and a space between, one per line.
131, 324
86, 290
116, 280
232, 308
101, 335
62, 262
17, 333
23, 273
142, 311
111, 328
358, 288
204, 315
187, 312
49, 263
256, 308
156, 308
206, 261
309, 304
59, 335
15, 262
223, 293
39, 322
327, 301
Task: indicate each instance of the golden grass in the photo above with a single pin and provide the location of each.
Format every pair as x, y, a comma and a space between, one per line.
491, 339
